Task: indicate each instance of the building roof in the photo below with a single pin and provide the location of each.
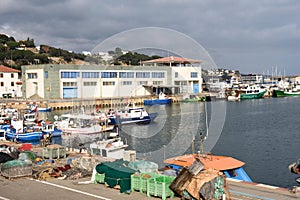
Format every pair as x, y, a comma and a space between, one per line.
8, 69
172, 59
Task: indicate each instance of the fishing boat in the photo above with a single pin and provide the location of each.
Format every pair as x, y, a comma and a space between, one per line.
247, 92
82, 124
286, 93
111, 148
20, 133
231, 167
162, 100
131, 114
51, 129
36, 108
192, 98
252, 92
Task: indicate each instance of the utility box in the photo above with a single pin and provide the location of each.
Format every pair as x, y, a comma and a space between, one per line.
129, 155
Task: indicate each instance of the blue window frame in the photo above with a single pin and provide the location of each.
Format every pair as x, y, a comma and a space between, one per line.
143, 74
109, 75
126, 74
46, 74
90, 74
194, 74
158, 74
69, 74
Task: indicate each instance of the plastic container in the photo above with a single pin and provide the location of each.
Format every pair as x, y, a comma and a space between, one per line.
139, 181
54, 153
99, 178
159, 187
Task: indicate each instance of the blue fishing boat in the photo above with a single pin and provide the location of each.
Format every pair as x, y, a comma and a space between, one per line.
131, 114
162, 100
18, 132
24, 134
35, 108
231, 167
51, 129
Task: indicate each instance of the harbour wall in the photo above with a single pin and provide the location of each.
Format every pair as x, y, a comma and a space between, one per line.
65, 104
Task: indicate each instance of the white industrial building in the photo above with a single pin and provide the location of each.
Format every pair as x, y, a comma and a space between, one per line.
171, 75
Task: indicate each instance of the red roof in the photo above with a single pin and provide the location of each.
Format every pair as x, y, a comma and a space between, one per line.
172, 59
8, 69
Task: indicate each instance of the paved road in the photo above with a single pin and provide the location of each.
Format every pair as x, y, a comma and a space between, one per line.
25, 188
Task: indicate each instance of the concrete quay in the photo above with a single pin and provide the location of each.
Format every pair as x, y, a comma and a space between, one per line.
28, 188
102, 103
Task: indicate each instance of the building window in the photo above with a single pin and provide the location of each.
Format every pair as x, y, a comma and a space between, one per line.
1, 75
180, 83
126, 82
158, 74
108, 83
32, 75
90, 74
46, 74
142, 82
2, 84
11, 75
12, 84
157, 82
143, 74
176, 74
69, 74
89, 83
126, 74
109, 74
69, 84
194, 74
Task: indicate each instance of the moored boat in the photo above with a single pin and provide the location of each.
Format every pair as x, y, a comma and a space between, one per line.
82, 124
162, 100
192, 98
252, 92
286, 93
20, 133
231, 167
131, 114
247, 92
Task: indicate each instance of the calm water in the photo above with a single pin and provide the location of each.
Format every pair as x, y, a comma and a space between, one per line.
263, 133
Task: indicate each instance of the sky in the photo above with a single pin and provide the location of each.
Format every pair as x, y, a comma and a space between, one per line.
259, 36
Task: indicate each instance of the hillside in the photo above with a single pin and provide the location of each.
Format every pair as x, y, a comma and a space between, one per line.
24, 52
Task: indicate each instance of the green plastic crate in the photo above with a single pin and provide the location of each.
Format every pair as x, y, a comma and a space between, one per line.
139, 181
99, 178
159, 187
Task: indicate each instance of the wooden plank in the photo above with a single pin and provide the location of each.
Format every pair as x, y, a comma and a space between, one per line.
181, 181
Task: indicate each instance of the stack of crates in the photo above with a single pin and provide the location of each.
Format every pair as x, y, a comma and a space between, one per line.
152, 184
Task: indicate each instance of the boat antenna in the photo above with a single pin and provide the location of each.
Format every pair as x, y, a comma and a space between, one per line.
206, 121
201, 143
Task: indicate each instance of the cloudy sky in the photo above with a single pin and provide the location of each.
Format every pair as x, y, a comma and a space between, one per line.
260, 36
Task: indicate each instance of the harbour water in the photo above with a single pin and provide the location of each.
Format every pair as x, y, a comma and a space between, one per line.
264, 133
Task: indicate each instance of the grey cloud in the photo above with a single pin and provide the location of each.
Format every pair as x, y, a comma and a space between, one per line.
233, 29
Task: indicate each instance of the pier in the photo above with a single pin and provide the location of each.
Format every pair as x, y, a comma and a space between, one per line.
66, 104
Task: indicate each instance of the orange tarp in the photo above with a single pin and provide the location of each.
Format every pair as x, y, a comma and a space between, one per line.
210, 161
